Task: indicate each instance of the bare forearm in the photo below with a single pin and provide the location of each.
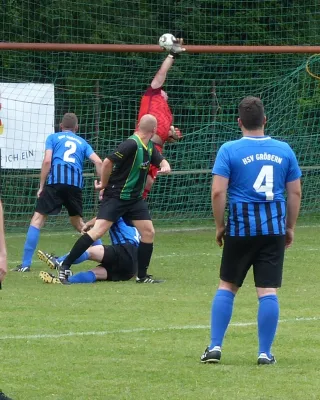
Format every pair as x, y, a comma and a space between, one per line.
98, 168
164, 167
164, 164
161, 75
45, 169
106, 170
293, 208
218, 208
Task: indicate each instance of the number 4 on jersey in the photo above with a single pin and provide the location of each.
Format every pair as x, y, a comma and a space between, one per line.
264, 182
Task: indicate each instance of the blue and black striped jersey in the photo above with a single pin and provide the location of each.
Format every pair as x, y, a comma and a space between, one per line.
258, 169
68, 154
121, 233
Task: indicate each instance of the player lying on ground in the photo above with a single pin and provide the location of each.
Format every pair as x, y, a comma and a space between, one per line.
61, 183
118, 260
155, 102
123, 176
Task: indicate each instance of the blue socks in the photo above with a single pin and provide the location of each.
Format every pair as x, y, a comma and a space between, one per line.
221, 313
83, 277
268, 316
62, 258
82, 258
30, 245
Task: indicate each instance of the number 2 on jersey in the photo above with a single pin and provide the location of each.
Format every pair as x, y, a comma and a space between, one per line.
72, 149
264, 182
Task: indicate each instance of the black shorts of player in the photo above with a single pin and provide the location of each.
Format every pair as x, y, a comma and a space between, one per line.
120, 261
264, 253
53, 197
111, 209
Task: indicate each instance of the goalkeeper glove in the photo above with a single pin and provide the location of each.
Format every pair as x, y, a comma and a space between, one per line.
176, 48
174, 135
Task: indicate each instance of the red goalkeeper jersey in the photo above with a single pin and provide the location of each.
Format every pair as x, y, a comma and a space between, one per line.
153, 103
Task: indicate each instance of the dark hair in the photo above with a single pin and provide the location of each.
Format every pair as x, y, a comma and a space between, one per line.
251, 113
69, 121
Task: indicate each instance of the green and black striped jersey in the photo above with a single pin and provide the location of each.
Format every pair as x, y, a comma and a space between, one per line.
132, 159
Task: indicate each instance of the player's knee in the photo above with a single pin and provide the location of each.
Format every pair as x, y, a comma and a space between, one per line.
77, 222
265, 291
231, 287
147, 235
96, 253
100, 273
38, 220
99, 229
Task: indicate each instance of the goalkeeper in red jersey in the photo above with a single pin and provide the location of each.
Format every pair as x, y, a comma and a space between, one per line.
155, 102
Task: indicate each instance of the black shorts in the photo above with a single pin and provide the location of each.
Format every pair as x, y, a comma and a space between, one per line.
120, 261
111, 209
264, 253
53, 197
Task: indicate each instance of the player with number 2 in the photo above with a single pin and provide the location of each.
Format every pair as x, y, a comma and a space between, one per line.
61, 183
254, 171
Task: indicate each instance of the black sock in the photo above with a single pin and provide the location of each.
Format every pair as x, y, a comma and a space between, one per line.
80, 246
144, 256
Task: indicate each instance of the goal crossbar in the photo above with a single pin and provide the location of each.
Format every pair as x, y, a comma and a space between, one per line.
139, 48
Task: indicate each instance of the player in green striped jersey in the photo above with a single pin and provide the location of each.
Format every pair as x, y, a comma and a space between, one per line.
123, 178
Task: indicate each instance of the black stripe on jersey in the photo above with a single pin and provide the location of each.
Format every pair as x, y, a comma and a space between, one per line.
279, 217
114, 236
235, 219
118, 235
51, 176
58, 174
65, 173
228, 222
228, 226
79, 178
72, 176
257, 218
269, 218
245, 214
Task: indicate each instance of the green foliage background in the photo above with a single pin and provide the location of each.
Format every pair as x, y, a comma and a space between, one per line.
204, 89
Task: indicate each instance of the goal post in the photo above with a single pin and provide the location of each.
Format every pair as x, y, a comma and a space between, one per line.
104, 89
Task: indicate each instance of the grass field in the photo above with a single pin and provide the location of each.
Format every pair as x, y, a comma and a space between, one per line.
141, 342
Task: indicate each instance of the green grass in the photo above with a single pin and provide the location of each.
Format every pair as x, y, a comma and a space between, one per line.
129, 341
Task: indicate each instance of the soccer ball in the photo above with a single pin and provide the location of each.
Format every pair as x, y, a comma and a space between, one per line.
166, 41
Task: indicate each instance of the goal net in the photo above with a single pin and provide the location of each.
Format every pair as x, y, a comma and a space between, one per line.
104, 90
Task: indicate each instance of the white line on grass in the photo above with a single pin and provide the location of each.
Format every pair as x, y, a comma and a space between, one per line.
137, 330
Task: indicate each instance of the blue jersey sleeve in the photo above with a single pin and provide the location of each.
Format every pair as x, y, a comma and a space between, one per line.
88, 150
222, 164
294, 171
49, 143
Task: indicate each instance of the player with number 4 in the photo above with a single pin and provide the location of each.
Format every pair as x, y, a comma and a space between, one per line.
255, 171
61, 183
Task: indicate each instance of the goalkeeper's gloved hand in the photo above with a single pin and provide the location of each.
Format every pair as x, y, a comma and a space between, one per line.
174, 135
177, 48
